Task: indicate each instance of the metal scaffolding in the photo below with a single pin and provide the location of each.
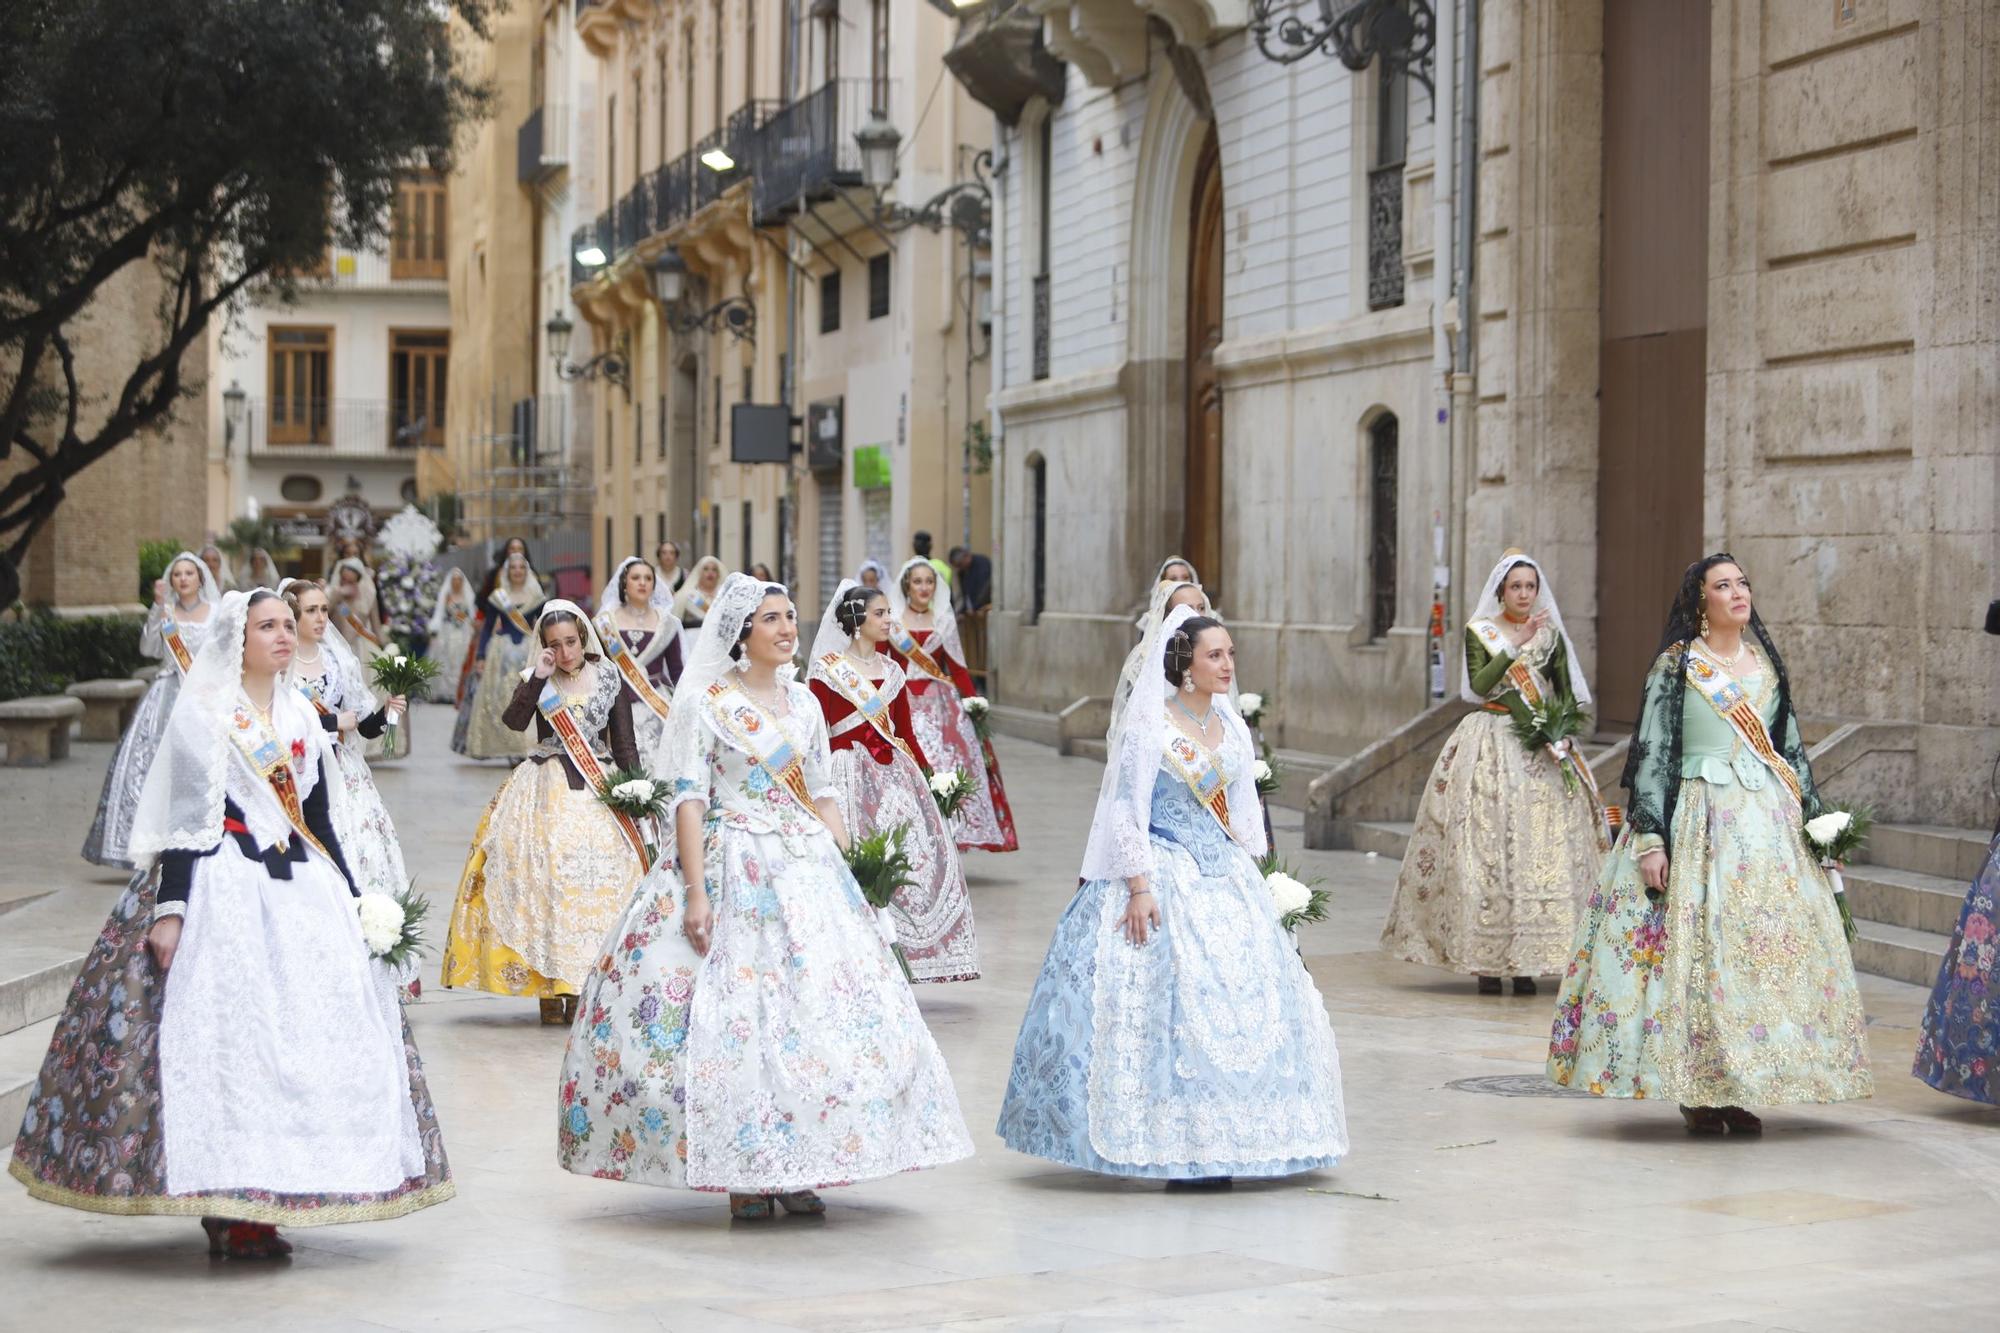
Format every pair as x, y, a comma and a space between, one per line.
530, 470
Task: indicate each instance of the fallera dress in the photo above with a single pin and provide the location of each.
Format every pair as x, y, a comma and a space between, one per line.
506, 649
374, 855
946, 735
657, 655
1503, 849
1737, 987
105, 844
1958, 1050
792, 1056
1207, 1051
878, 779
550, 868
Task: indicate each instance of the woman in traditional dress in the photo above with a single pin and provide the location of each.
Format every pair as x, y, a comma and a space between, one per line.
1958, 1048
691, 603
357, 615
1710, 966
551, 866
506, 645
218, 568
1174, 1033
230, 1050
468, 684
880, 778
749, 1029
184, 602
1166, 597
636, 621
667, 569
1508, 840
923, 641
453, 631
326, 672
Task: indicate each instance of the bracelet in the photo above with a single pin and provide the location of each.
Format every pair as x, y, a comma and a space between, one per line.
1133, 893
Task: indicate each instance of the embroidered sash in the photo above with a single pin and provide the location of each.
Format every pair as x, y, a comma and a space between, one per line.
872, 704
273, 764
1519, 674
513, 614
177, 647
905, 643
353, 622
1204, 777
312, 694
577, 746
634, 674
1732, 702
760, 737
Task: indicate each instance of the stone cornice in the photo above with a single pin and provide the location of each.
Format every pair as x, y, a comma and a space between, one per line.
1378, 338
1041, 399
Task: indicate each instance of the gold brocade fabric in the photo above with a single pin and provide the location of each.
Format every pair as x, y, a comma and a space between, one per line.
1500, 857
549, 874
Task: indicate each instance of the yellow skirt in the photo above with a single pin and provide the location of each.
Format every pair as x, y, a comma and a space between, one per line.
549, 874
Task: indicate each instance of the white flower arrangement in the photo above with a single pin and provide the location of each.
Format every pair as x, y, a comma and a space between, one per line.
950, 790
1263, 772
1287, 893
945, 784
1251, 705
976, 705
637, 789
1829, 826
392, 925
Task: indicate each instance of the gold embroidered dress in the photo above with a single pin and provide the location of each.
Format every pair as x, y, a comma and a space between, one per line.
1502, 852
1737, 987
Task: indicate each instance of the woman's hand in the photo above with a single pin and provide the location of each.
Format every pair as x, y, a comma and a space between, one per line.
164, 939
697, 919
1142, 916
347, 720
545, 663
1653, 870
397, 704
159, 592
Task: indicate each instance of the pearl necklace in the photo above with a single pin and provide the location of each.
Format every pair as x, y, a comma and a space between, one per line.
1726, 663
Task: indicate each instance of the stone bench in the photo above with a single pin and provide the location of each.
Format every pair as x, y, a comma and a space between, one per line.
37, 728
146, 674
108, 706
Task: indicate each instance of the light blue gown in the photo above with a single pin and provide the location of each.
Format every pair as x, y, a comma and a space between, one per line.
1204, 1052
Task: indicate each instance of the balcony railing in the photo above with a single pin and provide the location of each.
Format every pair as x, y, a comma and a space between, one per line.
673, 192
738, 138
596, 233
299, 428
1385, 237
541, 146
806, 150
635, 212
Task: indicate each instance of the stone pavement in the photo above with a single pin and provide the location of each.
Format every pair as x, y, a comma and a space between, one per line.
1472, 1196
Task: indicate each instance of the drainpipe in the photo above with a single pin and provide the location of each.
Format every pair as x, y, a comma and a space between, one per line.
1464, 393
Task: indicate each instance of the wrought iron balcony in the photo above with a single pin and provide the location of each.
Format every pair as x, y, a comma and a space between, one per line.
541, 146
591, 234
673, 192
1385, 237
735, 141
806, 151
635, 214
346, 428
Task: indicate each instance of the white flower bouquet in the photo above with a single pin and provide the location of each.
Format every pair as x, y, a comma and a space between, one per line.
1834, 835
392, 925
631, 792
396, 672
1250, 705
977, 708
1269, 776
1298, 901
950, 790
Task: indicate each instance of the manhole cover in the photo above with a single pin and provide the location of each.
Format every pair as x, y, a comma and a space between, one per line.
1515, 1085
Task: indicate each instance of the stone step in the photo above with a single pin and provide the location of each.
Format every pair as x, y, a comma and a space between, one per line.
18, 896
1956, 854
1904, 898
21, 1053
1898, 952
1383, 837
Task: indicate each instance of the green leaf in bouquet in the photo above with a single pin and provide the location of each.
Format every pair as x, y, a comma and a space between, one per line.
880, 864
625, 803
415, 908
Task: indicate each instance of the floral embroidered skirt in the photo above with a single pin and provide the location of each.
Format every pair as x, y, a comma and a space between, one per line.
1959, 1051
548, 875
948, 739
272, 1126
791, 1057
1736, 990
933, 913
487, 735
1204, 1052
1501, 856
119, 801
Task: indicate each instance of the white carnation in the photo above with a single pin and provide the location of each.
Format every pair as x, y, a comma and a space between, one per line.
1263, 771
944, 784
402, 661
976, 704
381, 921
1250, 705
1827, 827
1289, 895
638, 789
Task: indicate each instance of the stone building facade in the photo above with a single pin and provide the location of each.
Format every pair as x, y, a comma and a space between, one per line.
151, 488
1732, 284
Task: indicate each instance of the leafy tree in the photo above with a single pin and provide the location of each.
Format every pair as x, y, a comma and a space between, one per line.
224, 142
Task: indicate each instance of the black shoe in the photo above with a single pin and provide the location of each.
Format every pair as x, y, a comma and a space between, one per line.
1198, 1184
1522, 986
1489, 985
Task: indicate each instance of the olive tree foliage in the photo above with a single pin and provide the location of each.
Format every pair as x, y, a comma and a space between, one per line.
224, 142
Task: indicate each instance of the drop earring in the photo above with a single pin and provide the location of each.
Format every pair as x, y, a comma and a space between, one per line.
1704, 617
1187, 682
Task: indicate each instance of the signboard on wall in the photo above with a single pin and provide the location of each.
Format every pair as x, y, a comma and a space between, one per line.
825, 441
871, 468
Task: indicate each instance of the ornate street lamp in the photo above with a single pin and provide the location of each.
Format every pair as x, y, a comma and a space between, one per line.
1401, 32
611, 366
965, 206
233, 403
735, 314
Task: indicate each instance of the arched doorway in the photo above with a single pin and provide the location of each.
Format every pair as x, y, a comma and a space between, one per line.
1203, 481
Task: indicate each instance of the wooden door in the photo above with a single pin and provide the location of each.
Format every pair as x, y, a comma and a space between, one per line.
1202, 496
1653, 359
